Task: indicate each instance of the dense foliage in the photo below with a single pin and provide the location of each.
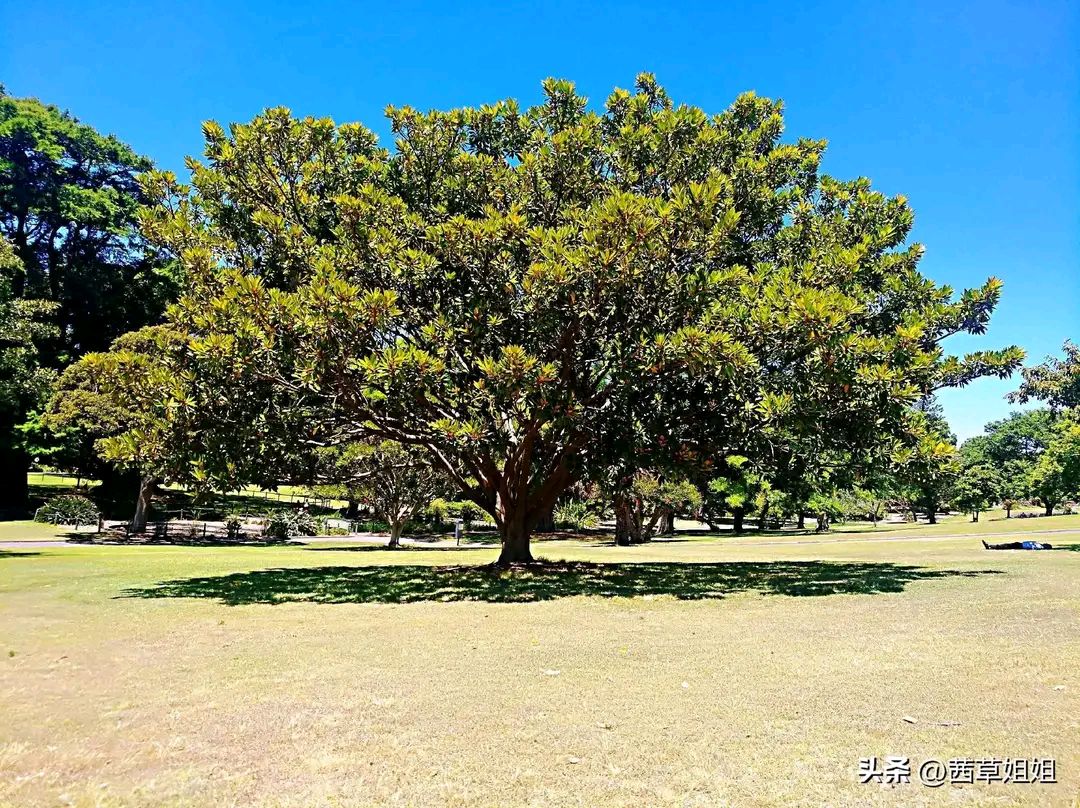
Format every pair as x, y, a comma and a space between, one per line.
68, 509
23, 327
1055, 381
537, 298
69, 199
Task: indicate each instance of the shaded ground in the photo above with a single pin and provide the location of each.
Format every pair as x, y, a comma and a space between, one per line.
416, 583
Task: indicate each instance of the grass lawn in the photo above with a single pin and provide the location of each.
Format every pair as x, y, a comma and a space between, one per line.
52, 479
29, 531
989, 522
701, 672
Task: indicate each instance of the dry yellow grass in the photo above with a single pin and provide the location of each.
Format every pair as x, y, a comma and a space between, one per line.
720, 672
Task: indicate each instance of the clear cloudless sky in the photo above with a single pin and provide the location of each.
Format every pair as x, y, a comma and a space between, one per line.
972, 110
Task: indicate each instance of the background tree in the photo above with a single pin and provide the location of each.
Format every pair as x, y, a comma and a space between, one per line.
930, 467
101, 401
396, 481
1055, 476
1013, 491
976, 489
736, 488
862, 504
24, 383
1012, 447
69, 198
1065, 449
528, 296
651, 506
1048, 482
1055, 381
1020, 438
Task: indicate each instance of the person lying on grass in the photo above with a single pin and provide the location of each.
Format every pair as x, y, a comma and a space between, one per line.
1018, 545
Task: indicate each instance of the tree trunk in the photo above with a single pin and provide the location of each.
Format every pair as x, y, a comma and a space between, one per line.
737, 515
397, 527
637, 521
802, 521
353, 509
647, 530
667, 523
763, 518
974, 516
931, 513
515, 542
546, 523
622, 522
142, 504
1008, 513
1050, 509
14, 466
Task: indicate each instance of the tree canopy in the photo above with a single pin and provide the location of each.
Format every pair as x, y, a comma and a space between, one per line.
1055, 381
532, 297
69, 201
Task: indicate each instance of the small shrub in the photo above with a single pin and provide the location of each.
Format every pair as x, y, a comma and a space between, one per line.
438, 511
283, 525
68, 509
575, 515
442, 514
277, 526
470, 512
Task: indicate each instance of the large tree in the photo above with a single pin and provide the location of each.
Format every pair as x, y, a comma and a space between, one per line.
23, 381
69, 198
531, 297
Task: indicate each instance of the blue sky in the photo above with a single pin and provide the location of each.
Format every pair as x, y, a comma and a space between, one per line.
972, 110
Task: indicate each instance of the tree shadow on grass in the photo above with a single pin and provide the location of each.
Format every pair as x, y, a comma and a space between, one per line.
17, 554
416, 583
1071, 547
